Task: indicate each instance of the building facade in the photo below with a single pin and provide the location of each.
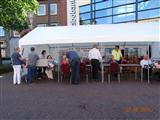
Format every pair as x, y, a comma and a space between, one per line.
50, 13
119, 11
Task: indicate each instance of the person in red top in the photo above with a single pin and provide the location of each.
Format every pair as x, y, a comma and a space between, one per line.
64, 60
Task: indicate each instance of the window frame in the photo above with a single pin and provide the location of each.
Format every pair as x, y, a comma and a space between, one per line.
44, 12
2, 31
41, 25
55, 5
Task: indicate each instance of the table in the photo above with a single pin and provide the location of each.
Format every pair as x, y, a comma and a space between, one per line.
121, 65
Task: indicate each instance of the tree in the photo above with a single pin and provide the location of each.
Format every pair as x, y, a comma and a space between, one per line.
14, 14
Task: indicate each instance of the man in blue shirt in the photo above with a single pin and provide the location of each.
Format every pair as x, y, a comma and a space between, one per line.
32, 60
75, 66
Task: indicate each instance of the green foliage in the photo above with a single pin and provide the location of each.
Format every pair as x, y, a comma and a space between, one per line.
13, 13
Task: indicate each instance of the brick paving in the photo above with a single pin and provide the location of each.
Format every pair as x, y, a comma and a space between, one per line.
49, 100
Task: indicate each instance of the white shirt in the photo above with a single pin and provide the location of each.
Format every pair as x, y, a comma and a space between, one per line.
94, 53
145, 62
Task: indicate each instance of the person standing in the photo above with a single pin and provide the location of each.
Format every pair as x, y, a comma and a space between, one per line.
43, 54
42, 69
75, 66
16, 62
32, 60
95, 57
117, 54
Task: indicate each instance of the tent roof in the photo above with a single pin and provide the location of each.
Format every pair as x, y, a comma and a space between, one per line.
127, 32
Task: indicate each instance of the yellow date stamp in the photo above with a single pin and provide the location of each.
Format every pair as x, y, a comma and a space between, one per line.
140, 109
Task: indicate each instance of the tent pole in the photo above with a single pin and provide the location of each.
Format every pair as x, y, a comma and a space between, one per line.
49, 50
102, 67
148, 64
58, 63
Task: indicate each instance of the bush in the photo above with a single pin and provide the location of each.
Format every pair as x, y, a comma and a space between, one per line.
5, 69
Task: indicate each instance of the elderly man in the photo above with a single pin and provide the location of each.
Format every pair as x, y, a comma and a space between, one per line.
95, 57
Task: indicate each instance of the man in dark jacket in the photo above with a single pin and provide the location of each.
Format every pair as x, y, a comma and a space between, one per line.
75, 66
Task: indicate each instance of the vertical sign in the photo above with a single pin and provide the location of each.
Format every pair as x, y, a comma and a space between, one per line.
72, 13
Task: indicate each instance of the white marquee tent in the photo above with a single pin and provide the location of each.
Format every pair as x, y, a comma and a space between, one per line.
46, 37
128, 32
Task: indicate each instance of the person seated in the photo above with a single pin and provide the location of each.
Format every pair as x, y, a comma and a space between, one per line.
157, 68
157, 65
133, 60
124, 61
64, 60
50, 68
145, 61
145, 64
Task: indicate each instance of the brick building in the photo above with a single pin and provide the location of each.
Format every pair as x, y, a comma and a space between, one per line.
56, 15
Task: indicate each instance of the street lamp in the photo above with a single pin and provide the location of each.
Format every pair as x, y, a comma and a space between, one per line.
30, 17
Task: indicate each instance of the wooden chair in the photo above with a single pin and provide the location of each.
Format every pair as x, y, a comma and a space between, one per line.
114, 69
65, 71
84, 70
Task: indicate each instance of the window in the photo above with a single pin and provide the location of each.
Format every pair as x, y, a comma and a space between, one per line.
122, 2
101, 5
54, 24
102, 13
85, 22
2, 31
41, 25
85, 16
85, 8
16, 34
148, 5
124, 9
131, 51
41, 10
104, 20
124, 17
149, 14
53, 9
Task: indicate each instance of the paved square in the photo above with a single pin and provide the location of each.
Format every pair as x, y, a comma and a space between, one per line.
49, 100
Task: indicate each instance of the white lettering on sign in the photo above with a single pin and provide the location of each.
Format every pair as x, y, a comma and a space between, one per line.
72, 13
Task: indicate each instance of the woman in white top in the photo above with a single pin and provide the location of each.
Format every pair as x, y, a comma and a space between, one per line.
145, 62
